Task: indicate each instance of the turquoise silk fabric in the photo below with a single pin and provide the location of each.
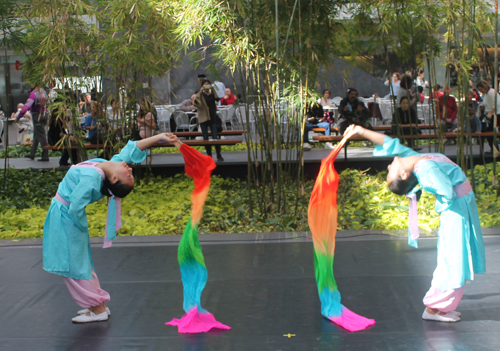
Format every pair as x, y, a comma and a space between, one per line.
460, 240
66, 247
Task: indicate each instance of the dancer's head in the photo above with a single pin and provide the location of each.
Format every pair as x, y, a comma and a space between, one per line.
119, 180
401, 179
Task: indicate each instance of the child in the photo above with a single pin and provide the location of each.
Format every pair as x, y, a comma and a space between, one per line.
66, 248
460, 245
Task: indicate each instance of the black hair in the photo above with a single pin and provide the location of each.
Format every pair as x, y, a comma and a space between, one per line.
420, 89
202, 76
326, 90
401, 100
421, 71
205, 80
350, 90
361, 103
402, 187
406, 82
118, 188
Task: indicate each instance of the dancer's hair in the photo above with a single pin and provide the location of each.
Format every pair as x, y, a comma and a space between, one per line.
402, 187
118, 188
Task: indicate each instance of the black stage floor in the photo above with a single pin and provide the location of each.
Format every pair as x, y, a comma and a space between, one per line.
262, 287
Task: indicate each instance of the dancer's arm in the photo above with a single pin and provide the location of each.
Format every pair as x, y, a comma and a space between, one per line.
163, 137
375, 137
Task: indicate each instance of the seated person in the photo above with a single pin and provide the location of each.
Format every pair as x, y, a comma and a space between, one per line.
58, 125
24, 123
323, 101
405, 115
475, 124
347, 110
228, 98
92, 123
145, 119
315, 119
187, 105
362, 116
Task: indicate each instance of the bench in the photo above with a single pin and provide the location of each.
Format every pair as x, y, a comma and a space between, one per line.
187, 142
448, 135
223, 133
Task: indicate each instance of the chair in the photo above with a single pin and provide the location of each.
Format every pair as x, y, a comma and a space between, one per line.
230, 116
241, 113
182, 121
164, 119
223, 117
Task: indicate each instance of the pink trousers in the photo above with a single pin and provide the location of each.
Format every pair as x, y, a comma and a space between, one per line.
444, 301
87, 292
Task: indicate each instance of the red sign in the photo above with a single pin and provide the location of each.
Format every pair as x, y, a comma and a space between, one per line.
17, 65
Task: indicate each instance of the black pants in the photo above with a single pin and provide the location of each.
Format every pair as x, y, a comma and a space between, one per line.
489, 128
65, 157
39, 135
213, 128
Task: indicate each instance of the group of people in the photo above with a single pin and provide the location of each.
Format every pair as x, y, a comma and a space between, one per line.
461, 254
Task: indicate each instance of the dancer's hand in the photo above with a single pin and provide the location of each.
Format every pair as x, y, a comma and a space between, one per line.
353, 129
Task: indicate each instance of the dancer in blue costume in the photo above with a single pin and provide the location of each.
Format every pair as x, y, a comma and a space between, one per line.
460, 241
66, 248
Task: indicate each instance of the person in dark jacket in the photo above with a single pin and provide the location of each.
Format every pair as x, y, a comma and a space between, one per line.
405, 115
57, 130
347, 110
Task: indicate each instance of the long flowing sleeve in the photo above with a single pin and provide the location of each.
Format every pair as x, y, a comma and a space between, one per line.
432, 179
392, 147
130, 154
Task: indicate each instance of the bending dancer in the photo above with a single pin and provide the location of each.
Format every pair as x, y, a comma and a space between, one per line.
66, 248
460, 245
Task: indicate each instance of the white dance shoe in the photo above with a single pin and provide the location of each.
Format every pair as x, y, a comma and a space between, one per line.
329, 146
86, 310
447, 317
83, 318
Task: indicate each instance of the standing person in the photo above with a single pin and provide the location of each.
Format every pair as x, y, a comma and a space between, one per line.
220, 88
201, 79
460, 244
487, 108
395, 84
66, 247
58, 125
37, 105
207, 115
421, 82
91, 124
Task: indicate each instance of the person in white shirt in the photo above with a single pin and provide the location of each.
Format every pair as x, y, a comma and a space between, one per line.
395, 84
220, 88
488, 109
